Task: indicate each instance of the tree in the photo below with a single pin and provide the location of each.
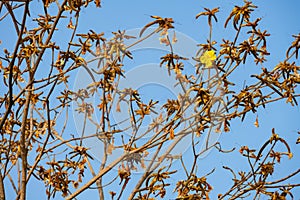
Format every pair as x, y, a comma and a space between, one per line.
38, 143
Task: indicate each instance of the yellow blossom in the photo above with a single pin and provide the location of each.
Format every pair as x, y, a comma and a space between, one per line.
208, 57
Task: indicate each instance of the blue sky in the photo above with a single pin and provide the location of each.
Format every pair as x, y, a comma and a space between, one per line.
280, 18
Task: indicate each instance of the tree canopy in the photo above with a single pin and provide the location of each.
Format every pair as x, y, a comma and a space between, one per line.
75, 117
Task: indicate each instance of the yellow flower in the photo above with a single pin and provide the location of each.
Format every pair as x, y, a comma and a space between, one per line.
208, 57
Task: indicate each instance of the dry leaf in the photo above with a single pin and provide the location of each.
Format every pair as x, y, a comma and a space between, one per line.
256, 124
174, 39
70, 25
110, 148
118, 107
172, 134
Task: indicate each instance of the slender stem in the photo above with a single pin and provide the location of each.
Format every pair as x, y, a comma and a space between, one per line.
152, 168
95, 178
11, 64
23, 146
2, 190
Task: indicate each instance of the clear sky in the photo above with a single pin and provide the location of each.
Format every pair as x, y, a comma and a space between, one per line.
280, 18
